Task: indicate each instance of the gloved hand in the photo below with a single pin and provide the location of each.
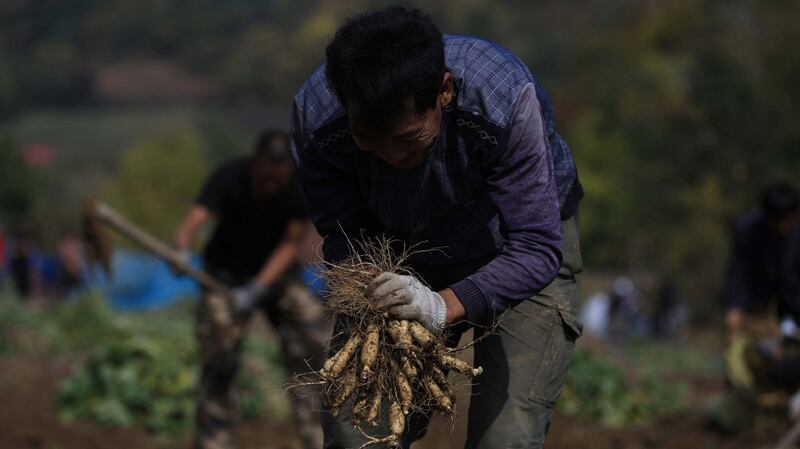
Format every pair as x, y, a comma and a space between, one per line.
185, 256
246, 298
404, 297
789, 328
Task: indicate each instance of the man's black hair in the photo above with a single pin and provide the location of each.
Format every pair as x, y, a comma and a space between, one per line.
385, 64
273, 144
780, 200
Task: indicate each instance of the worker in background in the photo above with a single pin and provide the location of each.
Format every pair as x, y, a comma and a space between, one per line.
762, 309
20, 265
261, 226
762, 277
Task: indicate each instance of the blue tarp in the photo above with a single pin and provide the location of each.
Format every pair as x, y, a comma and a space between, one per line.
142, 281
312, 277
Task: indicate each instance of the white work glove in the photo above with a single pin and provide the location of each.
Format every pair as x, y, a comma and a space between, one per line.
246, 298
789, 328
404, 297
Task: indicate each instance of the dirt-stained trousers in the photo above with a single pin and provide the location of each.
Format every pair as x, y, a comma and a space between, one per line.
299, 320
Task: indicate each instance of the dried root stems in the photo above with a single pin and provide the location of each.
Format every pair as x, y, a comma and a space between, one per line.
395, 363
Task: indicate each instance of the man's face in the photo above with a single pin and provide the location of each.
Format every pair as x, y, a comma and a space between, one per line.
270, 177
784, 226
409, 141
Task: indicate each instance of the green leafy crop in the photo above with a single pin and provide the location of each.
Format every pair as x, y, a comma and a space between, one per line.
599, 390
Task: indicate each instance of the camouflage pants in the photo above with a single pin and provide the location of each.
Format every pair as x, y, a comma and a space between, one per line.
298, 318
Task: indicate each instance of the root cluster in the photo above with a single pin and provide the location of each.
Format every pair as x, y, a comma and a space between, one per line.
387, 366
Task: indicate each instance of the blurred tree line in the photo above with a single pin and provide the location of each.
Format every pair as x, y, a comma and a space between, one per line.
678, 111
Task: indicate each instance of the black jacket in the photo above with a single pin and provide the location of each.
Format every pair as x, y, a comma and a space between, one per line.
763, 267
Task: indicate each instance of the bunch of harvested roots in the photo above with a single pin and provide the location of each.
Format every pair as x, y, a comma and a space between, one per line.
385, 365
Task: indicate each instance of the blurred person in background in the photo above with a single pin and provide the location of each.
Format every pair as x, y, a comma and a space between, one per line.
666, 300
20, 266
624, 312
762, 309
763, 273
595, 314
261, 226
45, 276
668, 314
70, 254
447, 141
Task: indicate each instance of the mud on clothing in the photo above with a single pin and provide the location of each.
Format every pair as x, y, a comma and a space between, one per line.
497, 194
246, 233
298, 318
247, 230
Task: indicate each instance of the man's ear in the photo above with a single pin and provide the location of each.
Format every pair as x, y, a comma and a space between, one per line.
446, 94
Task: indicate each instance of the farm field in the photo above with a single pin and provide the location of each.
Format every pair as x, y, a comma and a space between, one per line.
41, 350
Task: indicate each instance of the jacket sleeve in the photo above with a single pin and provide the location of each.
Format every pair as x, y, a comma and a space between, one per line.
520, 182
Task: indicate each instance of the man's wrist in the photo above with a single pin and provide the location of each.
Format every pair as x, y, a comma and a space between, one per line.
257, 287
472, 299
455, 310
182, 241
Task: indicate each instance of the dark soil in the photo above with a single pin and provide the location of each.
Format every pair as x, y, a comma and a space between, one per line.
683, 432
28, 421
28, 418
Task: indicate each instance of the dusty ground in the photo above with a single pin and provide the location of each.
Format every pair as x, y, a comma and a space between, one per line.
28, 421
